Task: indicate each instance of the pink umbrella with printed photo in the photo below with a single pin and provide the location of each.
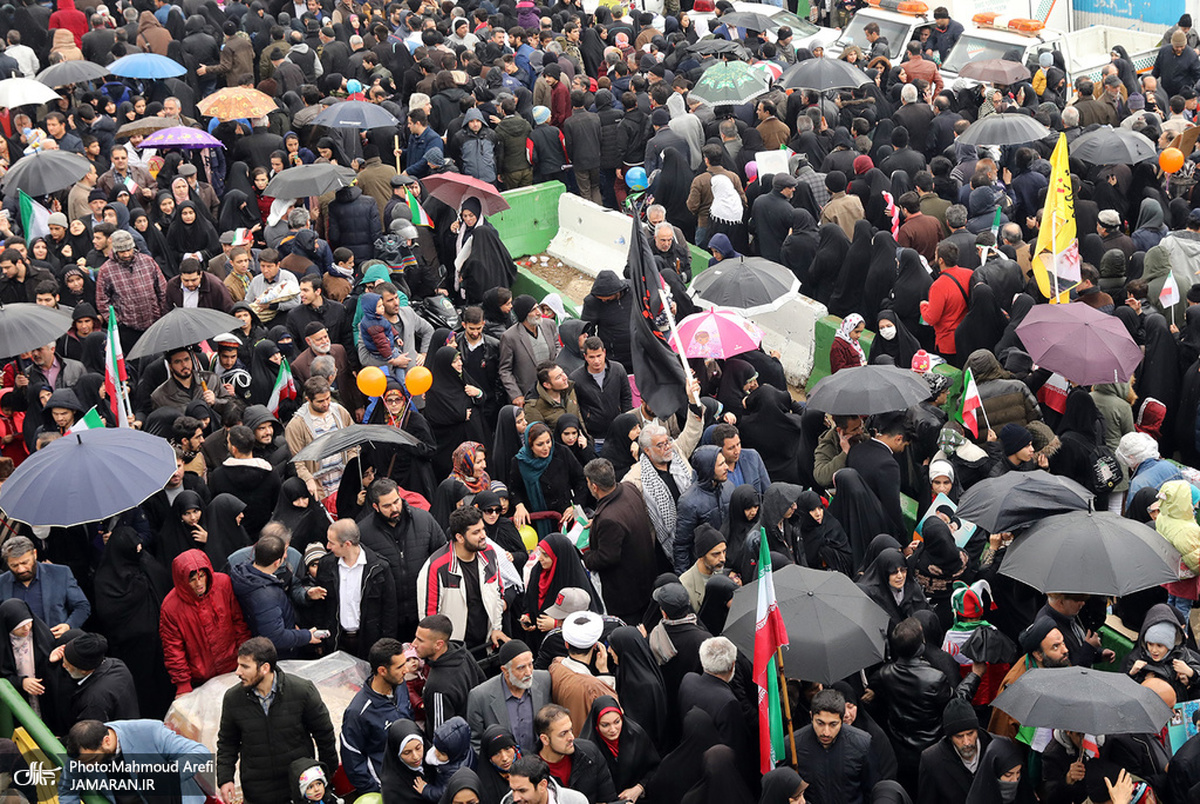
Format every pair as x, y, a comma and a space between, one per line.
718, 334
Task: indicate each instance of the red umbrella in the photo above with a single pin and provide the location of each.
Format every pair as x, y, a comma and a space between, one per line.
452, 188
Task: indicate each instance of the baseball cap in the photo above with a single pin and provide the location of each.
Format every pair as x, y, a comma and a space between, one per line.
570, 600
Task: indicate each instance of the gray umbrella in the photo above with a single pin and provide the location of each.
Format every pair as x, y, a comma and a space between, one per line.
87, 476
355, 114
748, 284
717, 46
353, 436
182, 328
1113, 146
1005, 503
833, 628
1084, 700
25, 326
44, 173
305, 180
1004, 129
751, 20
822, 74
868, 389
1091, 553
71, 72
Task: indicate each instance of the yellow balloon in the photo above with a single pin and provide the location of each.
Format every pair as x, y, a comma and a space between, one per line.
419, 380
372, 381
529, 536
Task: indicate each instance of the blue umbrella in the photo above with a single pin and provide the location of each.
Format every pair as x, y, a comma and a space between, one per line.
355, 114
87, 477
146, 65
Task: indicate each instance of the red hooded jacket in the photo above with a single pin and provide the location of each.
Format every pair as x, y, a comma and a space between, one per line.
200, 636
70, 18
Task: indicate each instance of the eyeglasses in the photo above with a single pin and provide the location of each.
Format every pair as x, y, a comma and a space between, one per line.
495, 509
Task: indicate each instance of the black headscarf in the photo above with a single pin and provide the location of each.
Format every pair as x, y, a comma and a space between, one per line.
736, 527
722, 782
800, 247
900, 348
639, 681
199, 235
130, 586
826, 266
308, 524
1002, 755
912, 287
398, 778
770, 427
779, 786
859, 511
826, 545
734, 377
617, 446
263, 372
566, 571
507, 442
633, 757
51, 703
1158, 377
875, 583
175, 536
582, 454
237, 212
881, 275
677, 771
984, 323
848, 292
718, 591
1021, 305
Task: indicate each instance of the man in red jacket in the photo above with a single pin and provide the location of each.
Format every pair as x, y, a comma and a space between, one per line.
201, 624
947, 304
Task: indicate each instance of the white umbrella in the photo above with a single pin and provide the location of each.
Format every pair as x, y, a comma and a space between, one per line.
24, 91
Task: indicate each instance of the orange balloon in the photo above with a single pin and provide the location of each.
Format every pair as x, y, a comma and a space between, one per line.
372, 381
419, 380
1170, 160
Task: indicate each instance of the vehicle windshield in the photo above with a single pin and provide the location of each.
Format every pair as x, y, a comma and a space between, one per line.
974, 48
896, 33
801, 28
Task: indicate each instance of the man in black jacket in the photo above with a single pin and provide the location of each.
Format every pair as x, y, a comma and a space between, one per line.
405, 537
582, 133
453, 672
481, 361
948, 766
587, 772
356, 628
836, 758
601, 388
268, 721
711, 692
875, 459
608, 306
104, 688
624, 550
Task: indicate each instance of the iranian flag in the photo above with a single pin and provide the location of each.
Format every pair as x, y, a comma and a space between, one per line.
1169, 295
92, 420
971, 403
416, 212
114, 372
34, 218
285, 388
1054, 393
769, 635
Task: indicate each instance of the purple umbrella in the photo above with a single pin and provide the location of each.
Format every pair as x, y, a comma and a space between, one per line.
1082, 344
181, 137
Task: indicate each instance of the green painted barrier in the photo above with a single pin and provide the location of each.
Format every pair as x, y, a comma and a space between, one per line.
531, 221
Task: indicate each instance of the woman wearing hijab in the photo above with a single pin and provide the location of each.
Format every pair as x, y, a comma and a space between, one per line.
452, 409
304, 516
238, 211
469, 466
727, 214
740, 523
722, 781
558, 566
226, 535
848, 291
25, 663
911, 288
627, 749
1001, 777
156, 241
508, 439
800, 247
718, 594
881, 274
1080, 431
677, 771
821, 537
1189, 338
937, 564
845, 351
495, 319
1150, 228
499, 528
738, 380
887, 582
129, 589
782, 786
639, 682
1020, 308
497, 751
190, 235
403, 763
184, 528
1158, 377
481, 260
264, 369
984, 323
620, 443
892, 340
859, 511
568, 435
826, 266
770, 427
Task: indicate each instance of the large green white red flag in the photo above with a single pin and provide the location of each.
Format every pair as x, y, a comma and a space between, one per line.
769, 635
114, 372
285, 388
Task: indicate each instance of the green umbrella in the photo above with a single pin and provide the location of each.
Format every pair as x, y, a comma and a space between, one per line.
732, 83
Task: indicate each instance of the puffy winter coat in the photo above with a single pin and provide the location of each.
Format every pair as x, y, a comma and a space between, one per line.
199, 46
610, 140
1004, 399
702, 503
354, 222
200, 635
511, 135
476, 151
268, 609
405, 547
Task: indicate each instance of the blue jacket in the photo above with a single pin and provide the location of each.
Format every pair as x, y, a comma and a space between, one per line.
148, 741
703, 502
1152, 472
364, 734
354, 222
414, 154
62, 599
753, 471
268, 610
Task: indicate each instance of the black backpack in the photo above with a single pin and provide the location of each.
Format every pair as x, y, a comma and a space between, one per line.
1106, 470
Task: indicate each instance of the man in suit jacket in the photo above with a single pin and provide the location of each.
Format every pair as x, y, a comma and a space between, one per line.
530, 341
745, 465
49, 589
316, 335
875, 460
211, 292
518, 692
710, 691
145, 741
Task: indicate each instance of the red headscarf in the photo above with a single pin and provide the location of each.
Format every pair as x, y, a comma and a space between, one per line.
546, 576
613, 745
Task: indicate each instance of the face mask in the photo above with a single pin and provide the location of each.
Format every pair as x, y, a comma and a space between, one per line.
1008, 790
887, 333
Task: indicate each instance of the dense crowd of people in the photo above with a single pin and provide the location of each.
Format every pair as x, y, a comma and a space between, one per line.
510, 658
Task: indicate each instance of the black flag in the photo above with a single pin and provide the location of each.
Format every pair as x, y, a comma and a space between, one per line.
657, 369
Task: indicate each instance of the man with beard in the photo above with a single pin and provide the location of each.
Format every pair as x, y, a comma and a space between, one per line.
1082, 644
320, 415
838, 756
313, 308
453, 672
268, 721
948, 766
481, 361
133, 284
149, 741
373, 709
511, 699
104, 688
186, 384
710, 560
317, 336
462, 581
1044, 646
50, 589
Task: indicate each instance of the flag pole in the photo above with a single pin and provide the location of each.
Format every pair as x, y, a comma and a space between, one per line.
687, 370
787, 706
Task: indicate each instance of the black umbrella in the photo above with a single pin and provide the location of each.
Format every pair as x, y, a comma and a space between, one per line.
1003, 504
1091, 553
181, 328
44, 173
1004, 129
71, 72
87, 476
717, 46
868, 389
1084, 700
822, 74
25, 326
353, 436
833, 628
355, 114
748, 284
305, 180
1113, 146
751, 20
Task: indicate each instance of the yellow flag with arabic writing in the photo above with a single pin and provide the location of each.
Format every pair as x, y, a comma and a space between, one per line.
1056, 260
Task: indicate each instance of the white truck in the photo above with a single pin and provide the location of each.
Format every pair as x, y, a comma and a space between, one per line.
1084, 51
